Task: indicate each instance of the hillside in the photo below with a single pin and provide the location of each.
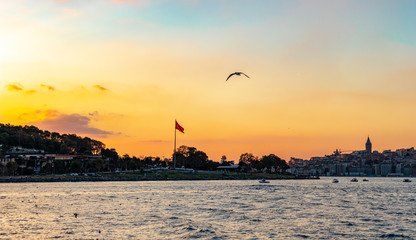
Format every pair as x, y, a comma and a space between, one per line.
50, 142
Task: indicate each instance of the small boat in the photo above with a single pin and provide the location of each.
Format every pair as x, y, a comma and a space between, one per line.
335, 180
365, 180
354, 180
406, 180
263, 181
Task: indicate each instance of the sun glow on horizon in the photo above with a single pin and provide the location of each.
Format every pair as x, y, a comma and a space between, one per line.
323, 76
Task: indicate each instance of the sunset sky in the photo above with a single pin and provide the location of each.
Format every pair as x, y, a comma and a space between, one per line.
324, 75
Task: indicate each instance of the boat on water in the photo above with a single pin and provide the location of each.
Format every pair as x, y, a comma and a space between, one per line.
365, 180
263, 181
354, 180
406, 180
335, 180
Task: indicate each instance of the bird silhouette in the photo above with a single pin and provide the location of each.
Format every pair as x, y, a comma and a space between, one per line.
238, 74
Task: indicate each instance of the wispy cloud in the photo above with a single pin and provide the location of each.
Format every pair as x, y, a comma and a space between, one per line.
70, 13
51, 88
38, 115
53, 120
101, 88
30, 91
15, 87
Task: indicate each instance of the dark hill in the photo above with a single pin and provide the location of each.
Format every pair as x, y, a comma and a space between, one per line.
50, 142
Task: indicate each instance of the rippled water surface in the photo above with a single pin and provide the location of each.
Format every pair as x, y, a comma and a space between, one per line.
383, 208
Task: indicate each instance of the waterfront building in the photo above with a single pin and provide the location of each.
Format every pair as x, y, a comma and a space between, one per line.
385, 169
360, 163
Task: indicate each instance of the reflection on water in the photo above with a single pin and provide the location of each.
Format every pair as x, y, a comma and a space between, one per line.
246, 209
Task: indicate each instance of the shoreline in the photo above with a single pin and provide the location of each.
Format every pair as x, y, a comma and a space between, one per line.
152, 176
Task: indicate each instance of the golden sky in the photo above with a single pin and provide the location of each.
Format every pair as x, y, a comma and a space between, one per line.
324, 75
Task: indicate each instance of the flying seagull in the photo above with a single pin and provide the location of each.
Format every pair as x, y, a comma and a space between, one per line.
238, 74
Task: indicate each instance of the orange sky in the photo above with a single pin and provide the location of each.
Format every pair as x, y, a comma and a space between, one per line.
322, 76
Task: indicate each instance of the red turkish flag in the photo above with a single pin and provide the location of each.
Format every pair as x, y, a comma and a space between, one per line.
179, 127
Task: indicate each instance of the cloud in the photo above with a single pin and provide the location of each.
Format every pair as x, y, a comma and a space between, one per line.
101, 88
70, 13
38, 115
94, 114
30, 91
51, 88
15, 87
53, 120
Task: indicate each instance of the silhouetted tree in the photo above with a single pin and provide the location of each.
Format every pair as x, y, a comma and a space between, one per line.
134, 163
211, 165
148, 162
76, 166
95, 165
33, 137
272, 160
226, 163
113, 157
190, 157
124, 161
249, 161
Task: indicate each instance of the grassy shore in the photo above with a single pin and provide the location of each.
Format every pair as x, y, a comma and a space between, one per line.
147, 176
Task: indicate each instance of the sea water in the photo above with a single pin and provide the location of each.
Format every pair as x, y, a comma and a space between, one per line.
382, 208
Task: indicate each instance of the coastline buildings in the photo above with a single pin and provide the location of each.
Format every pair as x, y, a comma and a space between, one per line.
31, 161
401, 162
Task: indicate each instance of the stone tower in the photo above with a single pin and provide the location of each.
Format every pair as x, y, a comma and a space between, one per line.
368, 146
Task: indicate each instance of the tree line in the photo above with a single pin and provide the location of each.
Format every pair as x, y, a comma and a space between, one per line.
51, 142
93, 156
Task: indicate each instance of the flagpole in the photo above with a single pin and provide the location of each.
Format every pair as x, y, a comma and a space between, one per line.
174, 150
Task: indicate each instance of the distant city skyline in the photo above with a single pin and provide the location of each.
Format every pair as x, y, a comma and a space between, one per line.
324, 75
399, 162
367, 147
